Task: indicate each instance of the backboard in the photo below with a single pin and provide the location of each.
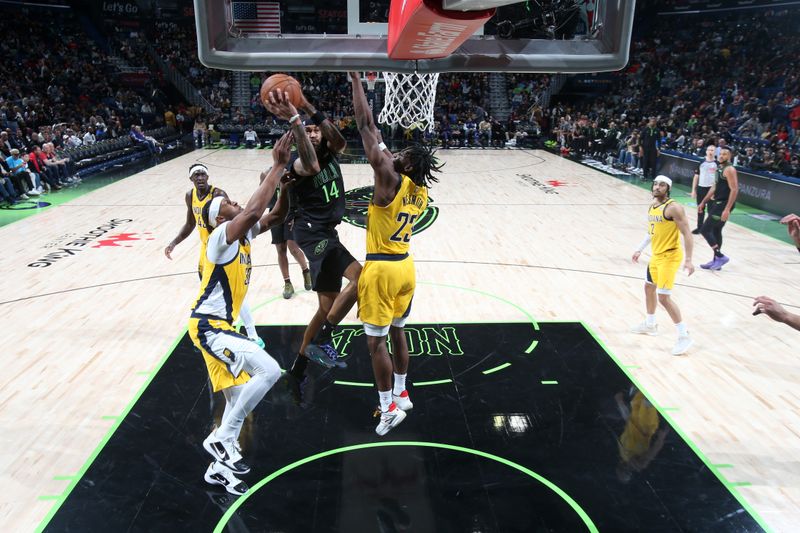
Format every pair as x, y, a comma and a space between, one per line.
568, 36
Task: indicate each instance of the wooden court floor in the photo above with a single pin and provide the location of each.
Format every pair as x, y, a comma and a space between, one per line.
90, 307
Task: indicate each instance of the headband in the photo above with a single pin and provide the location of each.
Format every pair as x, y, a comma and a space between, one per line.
213, 211
197, 167
663, 179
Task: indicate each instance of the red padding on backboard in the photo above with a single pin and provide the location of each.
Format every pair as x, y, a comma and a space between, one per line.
421, 29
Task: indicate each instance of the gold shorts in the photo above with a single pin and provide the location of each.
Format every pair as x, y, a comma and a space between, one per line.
216, 339
385, 290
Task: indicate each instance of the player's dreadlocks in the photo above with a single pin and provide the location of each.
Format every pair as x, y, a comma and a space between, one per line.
423, 161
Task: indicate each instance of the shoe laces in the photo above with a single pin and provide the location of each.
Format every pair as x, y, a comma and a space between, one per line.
330, 351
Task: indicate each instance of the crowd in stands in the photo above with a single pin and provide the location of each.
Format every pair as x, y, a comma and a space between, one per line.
707, 81
59, 94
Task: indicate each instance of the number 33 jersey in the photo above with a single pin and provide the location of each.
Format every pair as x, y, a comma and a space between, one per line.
389, 228
226, 276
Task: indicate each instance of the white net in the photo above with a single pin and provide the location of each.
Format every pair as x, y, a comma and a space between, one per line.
409, 100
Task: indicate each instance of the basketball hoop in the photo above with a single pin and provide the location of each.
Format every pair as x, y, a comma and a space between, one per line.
409, 100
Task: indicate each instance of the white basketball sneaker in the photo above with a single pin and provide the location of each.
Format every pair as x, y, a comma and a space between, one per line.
389, 419
682, 346
219, 474
226, 453
645, 329
403, 401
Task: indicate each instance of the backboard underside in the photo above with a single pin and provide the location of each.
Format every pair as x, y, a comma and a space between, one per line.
363, 47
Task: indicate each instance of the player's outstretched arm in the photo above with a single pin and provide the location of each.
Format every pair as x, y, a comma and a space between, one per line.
306, 164
776, 312
336, 142
257, 204
277, 215
386, 179
185, 230
792, 222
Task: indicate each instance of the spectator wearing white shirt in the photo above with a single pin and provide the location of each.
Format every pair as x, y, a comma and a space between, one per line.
250, 137
89, 137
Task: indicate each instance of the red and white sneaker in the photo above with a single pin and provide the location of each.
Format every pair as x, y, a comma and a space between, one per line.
403, 401
389, 419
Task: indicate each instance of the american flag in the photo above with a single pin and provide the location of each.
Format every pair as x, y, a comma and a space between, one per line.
257, 17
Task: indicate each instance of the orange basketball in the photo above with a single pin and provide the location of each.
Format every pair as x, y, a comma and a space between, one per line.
287, 84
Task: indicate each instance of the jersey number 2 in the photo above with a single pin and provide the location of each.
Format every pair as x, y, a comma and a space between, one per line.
403, 235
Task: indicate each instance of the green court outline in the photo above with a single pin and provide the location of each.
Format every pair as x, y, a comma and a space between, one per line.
731, 486
75, 479
60, 498
541, 479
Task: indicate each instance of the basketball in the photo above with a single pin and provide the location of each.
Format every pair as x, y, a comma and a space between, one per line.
287, 84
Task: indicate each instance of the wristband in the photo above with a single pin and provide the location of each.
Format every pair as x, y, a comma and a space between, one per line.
382, 146
294, 117
318, 118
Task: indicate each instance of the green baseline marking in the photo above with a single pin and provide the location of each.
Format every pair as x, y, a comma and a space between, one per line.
353, 383
434, 382
550, 382
549, 484
533, 345
105, 440
495, 369
682, 434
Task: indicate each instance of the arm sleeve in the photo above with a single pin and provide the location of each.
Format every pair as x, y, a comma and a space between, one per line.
254, 231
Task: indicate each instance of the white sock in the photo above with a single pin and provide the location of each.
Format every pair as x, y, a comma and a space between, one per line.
399, 384
650, 320
385, 397
683, 331
247, 320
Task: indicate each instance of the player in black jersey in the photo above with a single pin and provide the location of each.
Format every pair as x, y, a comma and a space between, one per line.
721, 200
318, 200
283, 239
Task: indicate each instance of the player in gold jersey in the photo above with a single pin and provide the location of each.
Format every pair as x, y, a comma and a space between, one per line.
666, 222
197, 197
226, 277
388, 279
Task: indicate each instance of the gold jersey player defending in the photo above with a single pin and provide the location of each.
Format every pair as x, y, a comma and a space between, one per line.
228, 355
201, 193
666, 221
387, 282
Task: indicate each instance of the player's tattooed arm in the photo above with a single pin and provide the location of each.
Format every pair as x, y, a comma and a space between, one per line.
336, 141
